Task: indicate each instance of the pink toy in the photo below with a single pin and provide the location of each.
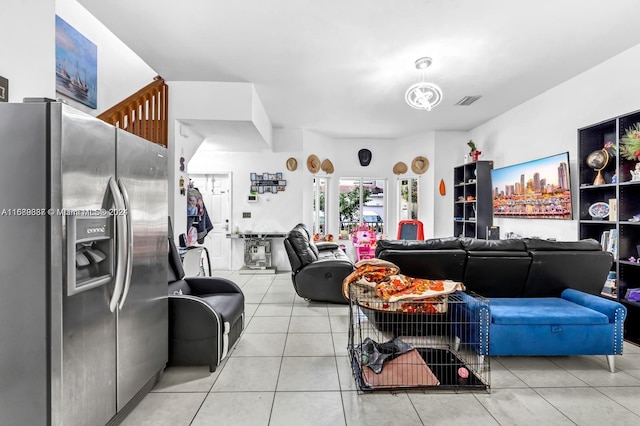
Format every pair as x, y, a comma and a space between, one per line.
364, 240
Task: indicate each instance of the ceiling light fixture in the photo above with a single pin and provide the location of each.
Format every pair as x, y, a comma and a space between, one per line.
423, 95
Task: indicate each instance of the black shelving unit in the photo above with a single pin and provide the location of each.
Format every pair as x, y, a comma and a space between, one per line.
473, 202
626, 193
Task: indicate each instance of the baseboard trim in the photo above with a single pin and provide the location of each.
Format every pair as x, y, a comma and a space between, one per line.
122, 414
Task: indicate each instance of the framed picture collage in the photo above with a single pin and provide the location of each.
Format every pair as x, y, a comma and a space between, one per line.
267, 183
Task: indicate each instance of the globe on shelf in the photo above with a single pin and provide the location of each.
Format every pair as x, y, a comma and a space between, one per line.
598, 160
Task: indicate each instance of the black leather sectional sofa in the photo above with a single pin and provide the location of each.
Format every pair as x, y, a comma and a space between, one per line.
539, 296
504, 268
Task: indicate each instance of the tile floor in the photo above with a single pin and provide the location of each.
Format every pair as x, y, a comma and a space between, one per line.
290, 367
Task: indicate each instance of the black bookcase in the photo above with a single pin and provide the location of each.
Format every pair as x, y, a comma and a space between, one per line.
472, 199
617, 232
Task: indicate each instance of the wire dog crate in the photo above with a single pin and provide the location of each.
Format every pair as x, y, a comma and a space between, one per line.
438, 343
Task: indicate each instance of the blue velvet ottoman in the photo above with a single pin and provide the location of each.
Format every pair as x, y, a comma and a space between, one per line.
576, 323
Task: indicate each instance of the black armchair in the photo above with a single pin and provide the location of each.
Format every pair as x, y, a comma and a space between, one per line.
317, 270
206, 316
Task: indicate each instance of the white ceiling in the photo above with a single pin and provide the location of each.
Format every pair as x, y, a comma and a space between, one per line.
341, 67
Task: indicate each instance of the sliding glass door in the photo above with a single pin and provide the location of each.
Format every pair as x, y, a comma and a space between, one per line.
362, 201
408, 190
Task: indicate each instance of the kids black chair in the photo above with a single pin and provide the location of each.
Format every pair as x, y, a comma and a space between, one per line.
206, 316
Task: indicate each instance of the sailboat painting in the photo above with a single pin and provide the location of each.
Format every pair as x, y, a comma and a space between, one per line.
76, 65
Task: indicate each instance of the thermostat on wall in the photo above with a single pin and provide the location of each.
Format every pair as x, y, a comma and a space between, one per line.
252, 198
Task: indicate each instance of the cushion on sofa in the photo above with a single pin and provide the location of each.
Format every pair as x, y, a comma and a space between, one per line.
333, 254
542, 311
430, 264
431, 244
498, 254
473, 244
314, 248
552, 272
302, 245
326, 245
582, 245
498, 273
436, 258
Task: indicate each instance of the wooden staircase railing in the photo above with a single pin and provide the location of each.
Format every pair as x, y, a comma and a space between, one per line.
144, 113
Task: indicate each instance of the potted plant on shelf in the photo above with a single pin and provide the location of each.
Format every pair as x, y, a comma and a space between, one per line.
630, 149
630, 143
474, 154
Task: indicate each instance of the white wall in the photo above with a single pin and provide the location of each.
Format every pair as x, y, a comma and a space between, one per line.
450, 149
273, 212
27, 56
548, 123
193, 100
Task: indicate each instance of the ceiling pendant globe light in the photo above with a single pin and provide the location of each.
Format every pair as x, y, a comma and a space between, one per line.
423, 95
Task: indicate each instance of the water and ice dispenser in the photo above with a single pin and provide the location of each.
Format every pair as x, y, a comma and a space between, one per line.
90, 252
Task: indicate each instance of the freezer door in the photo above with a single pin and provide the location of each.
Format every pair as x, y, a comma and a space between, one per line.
24, 277
143, 312
86, 161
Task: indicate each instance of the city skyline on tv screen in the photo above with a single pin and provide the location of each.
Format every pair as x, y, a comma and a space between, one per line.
537, 189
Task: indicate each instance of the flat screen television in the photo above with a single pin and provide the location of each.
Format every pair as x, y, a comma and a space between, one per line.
537, 189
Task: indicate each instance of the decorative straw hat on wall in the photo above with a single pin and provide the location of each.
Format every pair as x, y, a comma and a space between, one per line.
400, 168
327, 166
419, 165
292, 164
313, 163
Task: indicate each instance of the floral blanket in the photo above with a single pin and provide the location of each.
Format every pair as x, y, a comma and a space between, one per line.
378, 284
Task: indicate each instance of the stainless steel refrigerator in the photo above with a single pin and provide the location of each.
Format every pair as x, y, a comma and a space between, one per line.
83, 258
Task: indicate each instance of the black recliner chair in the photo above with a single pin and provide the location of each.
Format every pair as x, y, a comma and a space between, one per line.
206, 316
317, 270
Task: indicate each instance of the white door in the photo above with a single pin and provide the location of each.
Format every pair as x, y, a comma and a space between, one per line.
216, 194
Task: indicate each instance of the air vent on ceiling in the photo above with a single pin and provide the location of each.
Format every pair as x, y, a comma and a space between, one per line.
468, 100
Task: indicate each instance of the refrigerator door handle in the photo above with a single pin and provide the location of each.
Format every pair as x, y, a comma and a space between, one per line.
121, 238
129, 243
